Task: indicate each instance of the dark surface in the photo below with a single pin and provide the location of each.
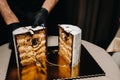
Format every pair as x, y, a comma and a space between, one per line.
88, 66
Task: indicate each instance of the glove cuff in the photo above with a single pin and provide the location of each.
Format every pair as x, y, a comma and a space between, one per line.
14, 26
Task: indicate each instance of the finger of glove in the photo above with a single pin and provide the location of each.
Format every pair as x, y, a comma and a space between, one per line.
36, 21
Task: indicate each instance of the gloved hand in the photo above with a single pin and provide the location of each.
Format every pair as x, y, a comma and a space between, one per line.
40, 17
12, 27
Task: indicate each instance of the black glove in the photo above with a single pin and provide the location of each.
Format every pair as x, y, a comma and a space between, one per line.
12, 27
40, 17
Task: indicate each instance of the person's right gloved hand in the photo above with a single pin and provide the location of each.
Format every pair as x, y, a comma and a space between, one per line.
12, 27
40, 17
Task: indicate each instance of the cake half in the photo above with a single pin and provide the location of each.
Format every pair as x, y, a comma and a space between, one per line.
69, 48
30, 48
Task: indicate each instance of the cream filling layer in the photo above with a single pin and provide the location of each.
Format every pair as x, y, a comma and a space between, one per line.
67, 46
27, 49
24, 56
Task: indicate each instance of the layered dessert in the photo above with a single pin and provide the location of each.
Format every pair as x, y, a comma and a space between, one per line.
69, 48
30, 46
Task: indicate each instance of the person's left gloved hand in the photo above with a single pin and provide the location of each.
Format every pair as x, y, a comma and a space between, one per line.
40, 17
12, 27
